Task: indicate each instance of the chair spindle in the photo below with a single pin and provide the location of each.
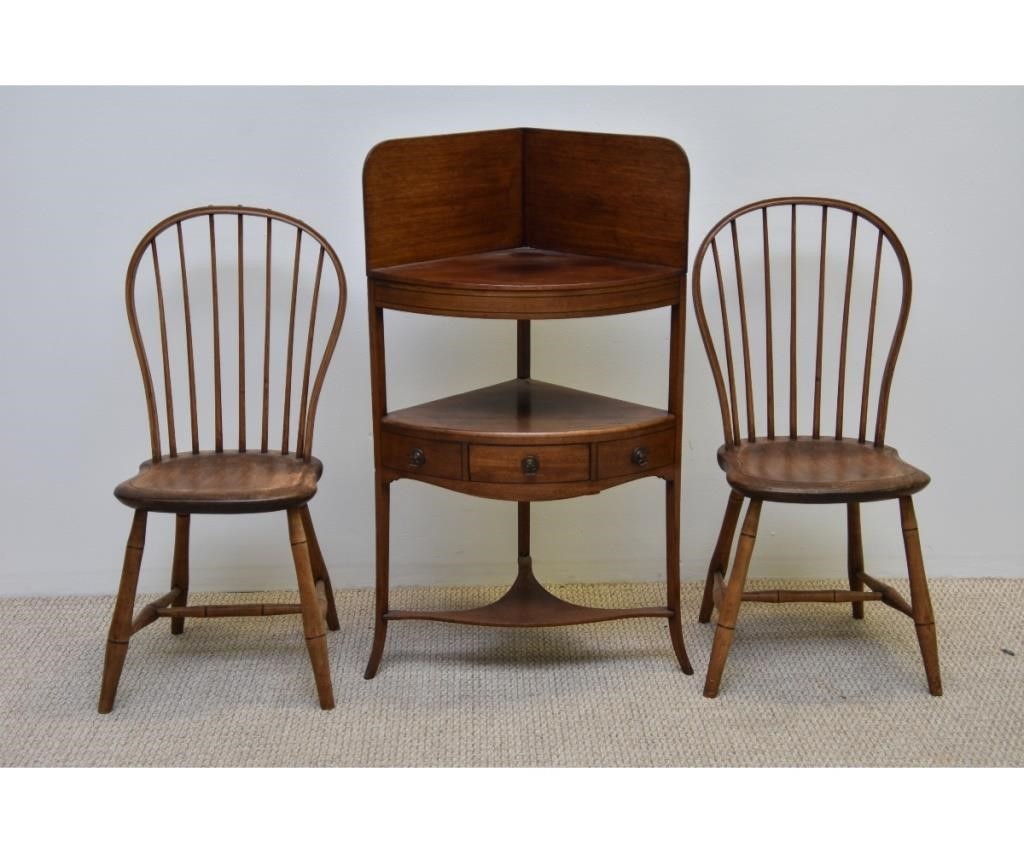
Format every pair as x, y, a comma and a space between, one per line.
300, 438
194, 416
291, 342
841, 389
816, 432
792, 324
728, 343
264, 435
241, 338
744, 335
768, 347
871, 341
218, 415
168, 395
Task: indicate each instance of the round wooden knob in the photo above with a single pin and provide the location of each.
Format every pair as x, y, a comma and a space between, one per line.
417, 458
640, 456
530, 465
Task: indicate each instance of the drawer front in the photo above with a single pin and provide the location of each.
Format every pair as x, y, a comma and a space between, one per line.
529, 464
634, 455
422, 456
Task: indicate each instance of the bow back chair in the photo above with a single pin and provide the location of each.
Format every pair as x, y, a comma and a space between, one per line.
749, 276
258, 308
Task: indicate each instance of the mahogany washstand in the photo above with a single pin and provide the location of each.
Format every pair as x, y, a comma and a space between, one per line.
526, 224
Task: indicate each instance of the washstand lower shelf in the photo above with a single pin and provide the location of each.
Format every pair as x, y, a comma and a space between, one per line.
527, 604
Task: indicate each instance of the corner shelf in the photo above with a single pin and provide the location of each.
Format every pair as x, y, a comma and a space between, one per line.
526, 283
527, 411
479, 442
526, 224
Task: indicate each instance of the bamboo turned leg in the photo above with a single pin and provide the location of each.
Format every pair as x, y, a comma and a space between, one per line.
380, 629
730, 607
720, 556
121, 623
854, 555
320, 568
675, 621
179, 570
312, 621
920, 601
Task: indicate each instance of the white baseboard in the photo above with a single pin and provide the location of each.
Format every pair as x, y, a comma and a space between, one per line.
242, 579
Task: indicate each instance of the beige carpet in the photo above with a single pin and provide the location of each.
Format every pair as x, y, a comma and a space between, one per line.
805, 685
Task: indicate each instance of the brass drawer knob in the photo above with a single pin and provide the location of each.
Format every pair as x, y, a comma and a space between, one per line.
640, 456
417, 458
530, 465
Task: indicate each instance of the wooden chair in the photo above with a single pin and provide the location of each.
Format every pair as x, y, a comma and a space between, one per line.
757, 295
247, 479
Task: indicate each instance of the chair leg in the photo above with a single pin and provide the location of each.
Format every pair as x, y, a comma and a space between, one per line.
179, 569
121, 623
312, 621
380, 628
720, 556
920, 601
675, 621
730, 607
320, 568
854, 555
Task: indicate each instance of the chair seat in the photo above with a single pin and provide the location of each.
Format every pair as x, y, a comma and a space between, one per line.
818, 470
227, 482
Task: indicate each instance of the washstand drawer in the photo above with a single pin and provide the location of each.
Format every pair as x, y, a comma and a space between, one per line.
633, 455
554, 463
422, 456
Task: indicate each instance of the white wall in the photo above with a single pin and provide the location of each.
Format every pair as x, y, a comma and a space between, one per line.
84, 172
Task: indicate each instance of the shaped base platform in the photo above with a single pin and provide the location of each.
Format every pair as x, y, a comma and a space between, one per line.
528, 604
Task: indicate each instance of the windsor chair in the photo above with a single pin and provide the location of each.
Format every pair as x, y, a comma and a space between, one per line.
246, 479
762, 463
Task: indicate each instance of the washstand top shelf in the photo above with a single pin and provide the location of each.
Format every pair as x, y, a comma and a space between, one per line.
526, 223
526, 282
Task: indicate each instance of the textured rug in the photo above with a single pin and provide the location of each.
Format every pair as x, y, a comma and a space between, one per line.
804, 685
